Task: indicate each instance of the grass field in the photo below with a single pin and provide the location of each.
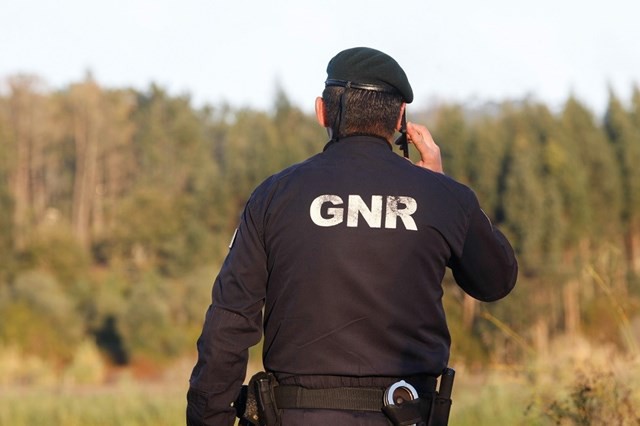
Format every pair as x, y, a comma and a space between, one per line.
123, 399
162, 404
577, 385
135, 405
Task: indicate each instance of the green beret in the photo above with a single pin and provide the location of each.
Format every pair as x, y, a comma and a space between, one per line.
369, 69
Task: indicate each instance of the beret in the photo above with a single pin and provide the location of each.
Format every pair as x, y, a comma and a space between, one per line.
369, 69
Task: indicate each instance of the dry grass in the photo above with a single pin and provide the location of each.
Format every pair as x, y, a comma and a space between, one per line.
577, 383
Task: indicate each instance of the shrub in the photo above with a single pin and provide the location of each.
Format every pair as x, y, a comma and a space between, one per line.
148, 326
583, 384
56, 251
87, 366
39, 318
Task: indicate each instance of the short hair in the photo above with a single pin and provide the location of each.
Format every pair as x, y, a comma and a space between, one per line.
366, 112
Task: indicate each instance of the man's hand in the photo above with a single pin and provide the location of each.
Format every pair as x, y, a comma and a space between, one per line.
421, 138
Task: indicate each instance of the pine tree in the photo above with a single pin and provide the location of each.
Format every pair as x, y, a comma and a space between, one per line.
626, 142
452, 136
523, 203
592, 153
486, 161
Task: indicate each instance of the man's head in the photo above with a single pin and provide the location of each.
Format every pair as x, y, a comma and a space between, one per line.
365, 93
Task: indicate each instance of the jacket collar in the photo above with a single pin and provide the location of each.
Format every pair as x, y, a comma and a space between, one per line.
353, 140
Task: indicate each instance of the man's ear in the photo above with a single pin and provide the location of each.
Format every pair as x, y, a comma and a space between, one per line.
399, 122
321, 114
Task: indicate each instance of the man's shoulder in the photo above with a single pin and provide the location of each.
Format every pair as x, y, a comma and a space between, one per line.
273, 182
300, 167
448, 185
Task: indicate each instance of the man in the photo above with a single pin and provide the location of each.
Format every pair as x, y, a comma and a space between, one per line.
346, 253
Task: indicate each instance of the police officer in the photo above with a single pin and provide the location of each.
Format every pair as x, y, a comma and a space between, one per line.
339, 260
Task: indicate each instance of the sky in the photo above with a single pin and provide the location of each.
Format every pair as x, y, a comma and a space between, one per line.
239, 51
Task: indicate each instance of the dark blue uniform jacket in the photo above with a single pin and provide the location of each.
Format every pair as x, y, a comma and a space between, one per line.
345, 253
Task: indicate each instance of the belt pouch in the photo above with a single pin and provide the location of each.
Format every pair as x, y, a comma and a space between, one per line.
441, 409
263, 384
407, 413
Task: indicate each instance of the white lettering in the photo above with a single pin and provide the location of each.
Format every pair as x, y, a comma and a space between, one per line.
334, 215
403, 208
395, 207
357, 206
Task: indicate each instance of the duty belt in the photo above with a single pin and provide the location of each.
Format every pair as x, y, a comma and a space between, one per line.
359, 399
260, 402
410, 412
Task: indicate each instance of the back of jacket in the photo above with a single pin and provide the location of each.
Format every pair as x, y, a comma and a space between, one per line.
356, 241
340, 261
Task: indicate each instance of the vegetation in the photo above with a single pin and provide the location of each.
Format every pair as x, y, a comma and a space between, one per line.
117, 205
116, 405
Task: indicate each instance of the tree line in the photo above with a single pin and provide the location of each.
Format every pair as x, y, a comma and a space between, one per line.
117, 205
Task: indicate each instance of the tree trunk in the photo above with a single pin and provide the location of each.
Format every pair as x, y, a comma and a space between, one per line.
468, 311
85, 133
40, 124
571, 299
20, 185
633, 248
541, 336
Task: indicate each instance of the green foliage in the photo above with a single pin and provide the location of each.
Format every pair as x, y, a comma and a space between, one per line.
39, 317
467, 348
450, 127
118, 197
148, 326
487, 162
626, 142
191, 296
299, 135
169, 142
497, 399
594, 157
7, 255
55, 250
523, 204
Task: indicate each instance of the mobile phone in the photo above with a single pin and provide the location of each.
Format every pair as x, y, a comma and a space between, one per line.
402, 139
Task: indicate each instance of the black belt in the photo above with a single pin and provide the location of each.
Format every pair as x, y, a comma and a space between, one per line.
358, 399
263, 398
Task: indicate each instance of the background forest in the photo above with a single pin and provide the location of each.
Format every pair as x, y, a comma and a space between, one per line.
117, 206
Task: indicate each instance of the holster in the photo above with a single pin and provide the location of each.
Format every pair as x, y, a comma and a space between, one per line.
414, 412
442, 403
440, 412
256, 404
429, 411
423, 411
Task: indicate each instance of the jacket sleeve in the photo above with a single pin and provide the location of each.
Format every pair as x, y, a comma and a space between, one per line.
233, 324
487, 268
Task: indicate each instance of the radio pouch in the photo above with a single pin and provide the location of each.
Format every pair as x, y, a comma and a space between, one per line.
256, 404
261, 390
